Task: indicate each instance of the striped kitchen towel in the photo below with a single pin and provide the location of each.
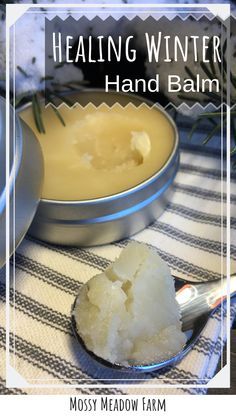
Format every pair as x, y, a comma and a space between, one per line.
189, 236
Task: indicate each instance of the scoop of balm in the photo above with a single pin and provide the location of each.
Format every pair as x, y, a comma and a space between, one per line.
128, 315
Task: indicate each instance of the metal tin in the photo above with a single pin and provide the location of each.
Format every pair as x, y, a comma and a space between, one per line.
25, 181
104, 220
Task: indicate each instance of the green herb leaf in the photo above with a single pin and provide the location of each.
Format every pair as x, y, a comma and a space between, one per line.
233, 151
67, 85
46, 78
61, 64
194, 127
190, 98
62, 98
212, 121
212, 133
206, 70
21, 97
22, 71
58, 114
37, 114
233, 79
190, 73
215, 114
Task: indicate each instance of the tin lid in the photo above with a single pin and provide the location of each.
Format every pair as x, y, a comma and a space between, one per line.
2, 180
2, 148
25, 180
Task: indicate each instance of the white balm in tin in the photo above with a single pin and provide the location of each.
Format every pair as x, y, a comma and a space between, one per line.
101, 151
108, 172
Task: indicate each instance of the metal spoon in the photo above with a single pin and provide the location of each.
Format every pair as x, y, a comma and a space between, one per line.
197, 302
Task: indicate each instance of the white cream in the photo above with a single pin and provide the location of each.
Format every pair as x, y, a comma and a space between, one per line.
128, 314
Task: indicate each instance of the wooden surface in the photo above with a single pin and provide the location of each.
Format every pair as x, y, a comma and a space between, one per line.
232, 389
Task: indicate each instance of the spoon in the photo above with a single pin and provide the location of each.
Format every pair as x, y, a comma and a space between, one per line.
197, 301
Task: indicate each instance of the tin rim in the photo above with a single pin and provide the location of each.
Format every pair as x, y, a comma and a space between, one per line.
138, 186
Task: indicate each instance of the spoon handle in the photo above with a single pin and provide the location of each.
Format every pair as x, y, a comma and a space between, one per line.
218, 293
197, 299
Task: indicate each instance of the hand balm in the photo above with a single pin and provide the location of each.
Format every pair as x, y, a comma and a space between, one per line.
128, 314
101, 151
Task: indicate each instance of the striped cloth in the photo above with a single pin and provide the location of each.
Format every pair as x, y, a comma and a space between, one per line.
187, 236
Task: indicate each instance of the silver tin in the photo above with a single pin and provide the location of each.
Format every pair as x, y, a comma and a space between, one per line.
26, 175
108, 219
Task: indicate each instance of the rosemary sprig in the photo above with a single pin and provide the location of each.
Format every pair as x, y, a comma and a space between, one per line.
190, 98
212, 121
22, 71
194, 127
212, 76
212, 133
233, 80
215, 114
206, 70
51, 95
56, 111
190, 73
60, 65
62, 85
78, 83
64, 99
233, 152
37, 113
70, 84
58, 114
21, 97
220, 73
46, 78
